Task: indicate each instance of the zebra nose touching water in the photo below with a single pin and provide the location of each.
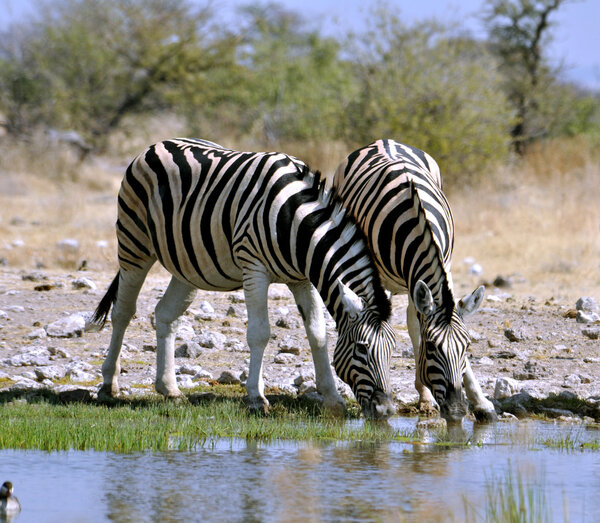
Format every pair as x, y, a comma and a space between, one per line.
219, 219
394, 192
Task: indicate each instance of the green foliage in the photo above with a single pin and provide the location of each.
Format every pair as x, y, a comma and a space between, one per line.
100, 61
425, 87
274, 81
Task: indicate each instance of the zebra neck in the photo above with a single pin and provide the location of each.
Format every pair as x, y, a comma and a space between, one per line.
423, 260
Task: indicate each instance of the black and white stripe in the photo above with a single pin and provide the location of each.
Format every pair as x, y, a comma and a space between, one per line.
394, 192
219, 219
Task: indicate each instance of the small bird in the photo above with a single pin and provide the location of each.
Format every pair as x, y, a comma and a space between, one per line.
9, 504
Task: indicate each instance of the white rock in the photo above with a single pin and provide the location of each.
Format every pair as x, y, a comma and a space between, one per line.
475, 269
505, 388
70, 327
211, 340
36, 334
51, 372
84, 283
284, 358
68, 245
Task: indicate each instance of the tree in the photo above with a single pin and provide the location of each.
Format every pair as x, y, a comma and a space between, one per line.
427, 87
296, 83
97, 62
518, 35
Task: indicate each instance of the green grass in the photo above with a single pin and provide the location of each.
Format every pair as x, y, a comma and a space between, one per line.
43, 423
511, 498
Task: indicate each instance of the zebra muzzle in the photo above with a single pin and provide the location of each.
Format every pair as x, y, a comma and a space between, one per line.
380, 406
454, 408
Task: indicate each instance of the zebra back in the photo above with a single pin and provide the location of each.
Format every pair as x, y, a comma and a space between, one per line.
207, 213
394, 191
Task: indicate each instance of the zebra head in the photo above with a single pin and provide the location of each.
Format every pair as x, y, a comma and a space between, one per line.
362, 355
443, 347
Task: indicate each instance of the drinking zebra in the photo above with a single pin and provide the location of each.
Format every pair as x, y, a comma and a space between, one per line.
219, 219
394, 192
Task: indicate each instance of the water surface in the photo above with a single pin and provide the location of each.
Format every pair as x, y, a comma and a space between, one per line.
238, 480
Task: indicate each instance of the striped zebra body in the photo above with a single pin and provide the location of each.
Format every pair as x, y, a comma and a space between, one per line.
394, 192
219, 219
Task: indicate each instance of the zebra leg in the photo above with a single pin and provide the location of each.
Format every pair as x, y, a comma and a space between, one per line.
311, 309
427, 404
256, 287
176, 299
483, 408
124, 307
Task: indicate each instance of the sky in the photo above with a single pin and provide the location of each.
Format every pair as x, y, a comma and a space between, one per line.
576, 32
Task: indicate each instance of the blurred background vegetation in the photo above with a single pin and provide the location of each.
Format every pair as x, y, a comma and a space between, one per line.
137, 68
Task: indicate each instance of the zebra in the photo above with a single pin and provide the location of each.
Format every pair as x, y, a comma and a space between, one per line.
394, 192
219, 219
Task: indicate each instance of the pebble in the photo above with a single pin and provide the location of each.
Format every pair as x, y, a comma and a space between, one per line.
84, 283
284, 358
591, 333
205, 312
211, 340
514, 335
227, 378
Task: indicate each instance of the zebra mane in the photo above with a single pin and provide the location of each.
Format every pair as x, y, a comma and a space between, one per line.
331, 199
446, 295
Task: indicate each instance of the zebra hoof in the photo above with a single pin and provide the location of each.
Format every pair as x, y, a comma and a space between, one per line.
485, 416
335, 408
258, 406
428, 409
108, 391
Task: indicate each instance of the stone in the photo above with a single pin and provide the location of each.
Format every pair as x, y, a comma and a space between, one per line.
206, 312
572, 380
283, 358
591, 333
502, 282
514, 335
83, 283
227, 378
33, 357
505, 388
211, 340
531, 371
185, 332
189, 369
36, 334
69, 327
288, 344
587, 317
286, 322
237, 297
190, 349
51, 372
587, 304
68, 245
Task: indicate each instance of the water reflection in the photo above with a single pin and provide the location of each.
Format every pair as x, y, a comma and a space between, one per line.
238, 480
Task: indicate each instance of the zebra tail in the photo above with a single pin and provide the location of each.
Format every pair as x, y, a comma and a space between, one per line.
101, 312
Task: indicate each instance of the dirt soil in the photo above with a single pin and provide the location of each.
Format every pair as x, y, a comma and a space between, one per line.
554, 363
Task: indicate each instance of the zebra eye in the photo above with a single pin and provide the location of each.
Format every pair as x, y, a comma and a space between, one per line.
362, 348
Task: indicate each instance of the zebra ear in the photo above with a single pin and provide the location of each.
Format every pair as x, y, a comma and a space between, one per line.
423, 299
471, 302
352, 303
